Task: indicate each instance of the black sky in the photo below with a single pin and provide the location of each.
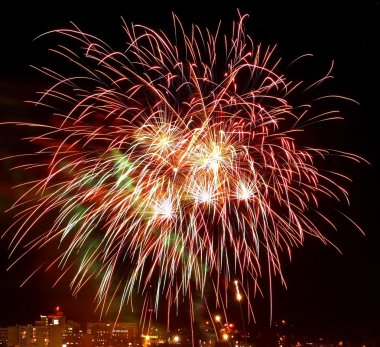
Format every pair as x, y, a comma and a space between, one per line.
328, 292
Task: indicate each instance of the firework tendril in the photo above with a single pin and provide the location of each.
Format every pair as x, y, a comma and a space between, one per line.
167, 167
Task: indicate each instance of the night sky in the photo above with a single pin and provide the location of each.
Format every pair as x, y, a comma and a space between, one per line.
328, 293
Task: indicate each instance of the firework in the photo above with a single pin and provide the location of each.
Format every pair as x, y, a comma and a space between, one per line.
170, 165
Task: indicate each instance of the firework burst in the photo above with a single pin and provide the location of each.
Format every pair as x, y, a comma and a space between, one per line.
180, 162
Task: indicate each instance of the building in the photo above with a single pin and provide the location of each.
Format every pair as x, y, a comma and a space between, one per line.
34, 336
3, 337
56, 318
13, 336
31, 336
113, 334
48, 331
54, 330
73, 334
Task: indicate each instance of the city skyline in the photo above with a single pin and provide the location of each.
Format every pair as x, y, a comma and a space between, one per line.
327, 291
56, 330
